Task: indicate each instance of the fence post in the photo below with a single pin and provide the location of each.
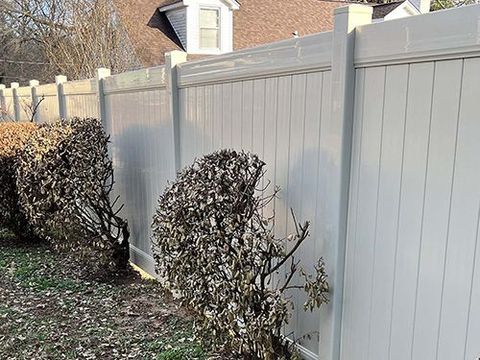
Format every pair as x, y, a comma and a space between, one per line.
62, 106
33, 88
16, 103
346, 19
173, 58
2, 102
102, 73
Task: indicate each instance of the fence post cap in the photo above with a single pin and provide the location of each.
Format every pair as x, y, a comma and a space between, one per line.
177, 54
33, 83
102, 73
175, 57
14, 85
60, 79
354, 9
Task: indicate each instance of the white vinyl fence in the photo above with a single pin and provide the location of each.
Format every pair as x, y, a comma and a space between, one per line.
373, 133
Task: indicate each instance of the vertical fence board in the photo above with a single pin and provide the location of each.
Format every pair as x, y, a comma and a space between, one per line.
348, 334
313, 105
385, 222
217, 130
367, 205
407, 239
208, 120
188, 125
237, 100
462, 234
227, 111
258, 117
295, 175
472, 346
247, 115
437, 205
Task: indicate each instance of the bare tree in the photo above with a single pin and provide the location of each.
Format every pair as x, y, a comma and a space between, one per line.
446, 4
20, 58
72, 37
31, 108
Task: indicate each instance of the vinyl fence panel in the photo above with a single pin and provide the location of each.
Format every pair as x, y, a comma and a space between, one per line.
279, 118
137, 117
24, 99
412, 254
8, 111
81, 98
48, 110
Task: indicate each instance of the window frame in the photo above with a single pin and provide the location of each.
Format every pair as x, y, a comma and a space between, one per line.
219, 28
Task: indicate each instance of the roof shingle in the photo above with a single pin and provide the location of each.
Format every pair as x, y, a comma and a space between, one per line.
257, 22
149, 30
381, 10
263, 21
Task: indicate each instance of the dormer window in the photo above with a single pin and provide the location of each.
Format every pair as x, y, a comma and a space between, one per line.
209, 20
204, 27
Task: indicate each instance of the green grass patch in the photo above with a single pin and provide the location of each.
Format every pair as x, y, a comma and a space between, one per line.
182, 353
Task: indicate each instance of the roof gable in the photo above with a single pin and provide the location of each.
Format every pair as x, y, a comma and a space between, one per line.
406, 8
394, 10
174, 4
149, 30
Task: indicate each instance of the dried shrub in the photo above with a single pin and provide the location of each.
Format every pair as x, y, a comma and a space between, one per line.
65, 178
213, 247
13, 137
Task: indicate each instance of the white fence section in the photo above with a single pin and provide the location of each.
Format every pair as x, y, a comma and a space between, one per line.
48, 109
25, 103
80, 98
371, 131
138, 117
412, 288
7, 112
283, 118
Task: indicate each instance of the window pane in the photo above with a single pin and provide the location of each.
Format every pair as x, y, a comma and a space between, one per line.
209, 38
209, 18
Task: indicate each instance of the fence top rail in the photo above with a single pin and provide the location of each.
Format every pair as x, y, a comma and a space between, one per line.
47, 90
435, 36
80, 87
138, 80
309, 53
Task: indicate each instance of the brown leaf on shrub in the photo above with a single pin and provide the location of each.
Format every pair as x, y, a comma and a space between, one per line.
65, 178
213, 246
13, 137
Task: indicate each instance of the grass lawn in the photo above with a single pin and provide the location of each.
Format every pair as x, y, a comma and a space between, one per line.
49, 309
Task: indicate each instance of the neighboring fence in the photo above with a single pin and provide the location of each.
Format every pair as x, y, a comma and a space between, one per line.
7, 110
395, 102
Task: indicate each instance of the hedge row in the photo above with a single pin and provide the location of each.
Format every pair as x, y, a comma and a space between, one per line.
13, 137
62, 178
213, 243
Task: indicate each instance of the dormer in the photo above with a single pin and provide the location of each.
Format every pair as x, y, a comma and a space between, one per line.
203, 26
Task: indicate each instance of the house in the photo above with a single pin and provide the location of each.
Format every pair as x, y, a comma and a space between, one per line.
211, 27
399, 9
